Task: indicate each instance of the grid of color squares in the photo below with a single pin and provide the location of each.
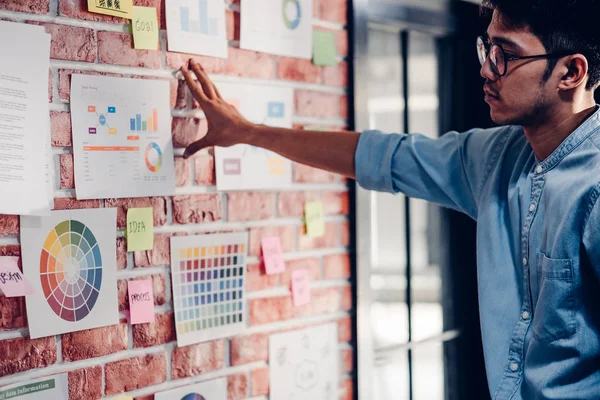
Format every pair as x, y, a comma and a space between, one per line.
208, 276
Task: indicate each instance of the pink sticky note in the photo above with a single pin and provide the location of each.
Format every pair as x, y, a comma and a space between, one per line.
12, 281
273, 255
141, 301
300, 287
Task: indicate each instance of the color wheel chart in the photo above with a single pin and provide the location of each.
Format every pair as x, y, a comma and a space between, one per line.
215, 389
71, 270
70, 259
208, 276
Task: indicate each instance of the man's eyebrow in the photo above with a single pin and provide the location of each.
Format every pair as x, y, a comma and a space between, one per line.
503, 40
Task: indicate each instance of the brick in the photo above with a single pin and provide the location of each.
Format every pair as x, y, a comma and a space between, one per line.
312, 265
260, 382
161, 331
67, 172
158, 290
117, 48
345, 329
250, 348
334, 10
11, 250
121, 253
330, 239
135, 373
336, 75
195, 209
9, 225
345, 234
341, 43
71, 43
27, 6
245, 206
60, 127
310, 103
291, 204
287, 237
204, 170
336, 203
322, 301
85, 384
347, 298
347, 362
23, 354
211, 65
305, 174
159, 205
159, 255
197, 359
182, 171
336, 266
250, 64
295, 69
78, 9
257, 279
50, 94
182, 94
233, 25
237, 387
271, 309
12, 313
348, 390
315, 7
344, 107
97, 342
67, 203
187, 130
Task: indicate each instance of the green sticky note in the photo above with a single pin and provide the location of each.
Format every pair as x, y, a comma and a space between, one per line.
314, 218
140, 229
144, 26
324, 51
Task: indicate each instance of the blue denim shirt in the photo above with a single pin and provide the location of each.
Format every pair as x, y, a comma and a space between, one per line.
538, 245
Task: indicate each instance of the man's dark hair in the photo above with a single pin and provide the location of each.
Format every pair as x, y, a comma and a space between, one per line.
561, 25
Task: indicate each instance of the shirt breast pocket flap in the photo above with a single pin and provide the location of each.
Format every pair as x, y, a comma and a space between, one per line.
554, 315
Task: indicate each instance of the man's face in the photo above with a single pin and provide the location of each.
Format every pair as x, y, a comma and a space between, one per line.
520, 97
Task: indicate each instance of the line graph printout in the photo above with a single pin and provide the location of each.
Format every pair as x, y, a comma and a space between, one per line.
244, 167
122, 139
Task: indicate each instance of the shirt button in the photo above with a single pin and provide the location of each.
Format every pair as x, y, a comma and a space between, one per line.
525, 315
514, 366
532, 207
539, 169
524, 261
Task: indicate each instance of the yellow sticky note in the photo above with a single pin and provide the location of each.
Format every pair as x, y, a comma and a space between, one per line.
144, 25
116, 8
140, 229
314, 218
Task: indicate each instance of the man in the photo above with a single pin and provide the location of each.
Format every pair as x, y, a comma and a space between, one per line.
532, 185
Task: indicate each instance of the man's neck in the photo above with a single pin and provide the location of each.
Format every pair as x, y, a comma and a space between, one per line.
547, 137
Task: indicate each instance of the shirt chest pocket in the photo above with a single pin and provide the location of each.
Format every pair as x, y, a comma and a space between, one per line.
554, 315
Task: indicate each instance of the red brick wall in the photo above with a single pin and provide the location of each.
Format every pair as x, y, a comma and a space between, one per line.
144, 359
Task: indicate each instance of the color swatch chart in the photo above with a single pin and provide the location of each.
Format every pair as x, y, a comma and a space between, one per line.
208, 276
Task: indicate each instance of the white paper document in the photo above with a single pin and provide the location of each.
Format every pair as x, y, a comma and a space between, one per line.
70, 260
122, 141
24, 116
304, 364
245, 167
209, 390
197, 27
54, 387
282, 27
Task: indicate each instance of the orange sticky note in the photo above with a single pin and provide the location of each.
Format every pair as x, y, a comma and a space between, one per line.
272, 255
141, 301
300, 287
12, 281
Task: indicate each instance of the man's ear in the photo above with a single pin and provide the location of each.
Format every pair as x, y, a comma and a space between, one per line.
577, 71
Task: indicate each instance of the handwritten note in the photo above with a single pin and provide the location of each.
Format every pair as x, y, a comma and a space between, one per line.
272, 255
12, 281
116, 8
141, 301
300, 287
140, 229
314, 218
324, 50
145, 28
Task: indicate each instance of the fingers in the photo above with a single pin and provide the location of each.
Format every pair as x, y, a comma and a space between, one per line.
208, 86
196, 89
194, 148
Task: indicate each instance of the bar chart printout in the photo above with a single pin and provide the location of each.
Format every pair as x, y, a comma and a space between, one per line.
197, 27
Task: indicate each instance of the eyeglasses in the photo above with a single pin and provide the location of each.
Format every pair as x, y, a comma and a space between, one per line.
499, 58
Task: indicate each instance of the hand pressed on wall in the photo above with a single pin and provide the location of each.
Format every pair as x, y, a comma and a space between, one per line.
226, 126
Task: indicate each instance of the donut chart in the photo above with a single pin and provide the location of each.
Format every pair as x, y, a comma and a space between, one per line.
71, 270
193, 396
292, 23
153, 157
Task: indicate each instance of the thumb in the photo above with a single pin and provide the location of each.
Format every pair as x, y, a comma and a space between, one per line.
195, 147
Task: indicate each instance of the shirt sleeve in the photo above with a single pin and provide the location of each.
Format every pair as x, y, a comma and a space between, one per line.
591, 232
449, 170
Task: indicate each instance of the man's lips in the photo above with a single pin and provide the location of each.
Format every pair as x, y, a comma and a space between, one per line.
490, 93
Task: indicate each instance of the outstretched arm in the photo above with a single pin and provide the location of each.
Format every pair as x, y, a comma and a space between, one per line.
331, 151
